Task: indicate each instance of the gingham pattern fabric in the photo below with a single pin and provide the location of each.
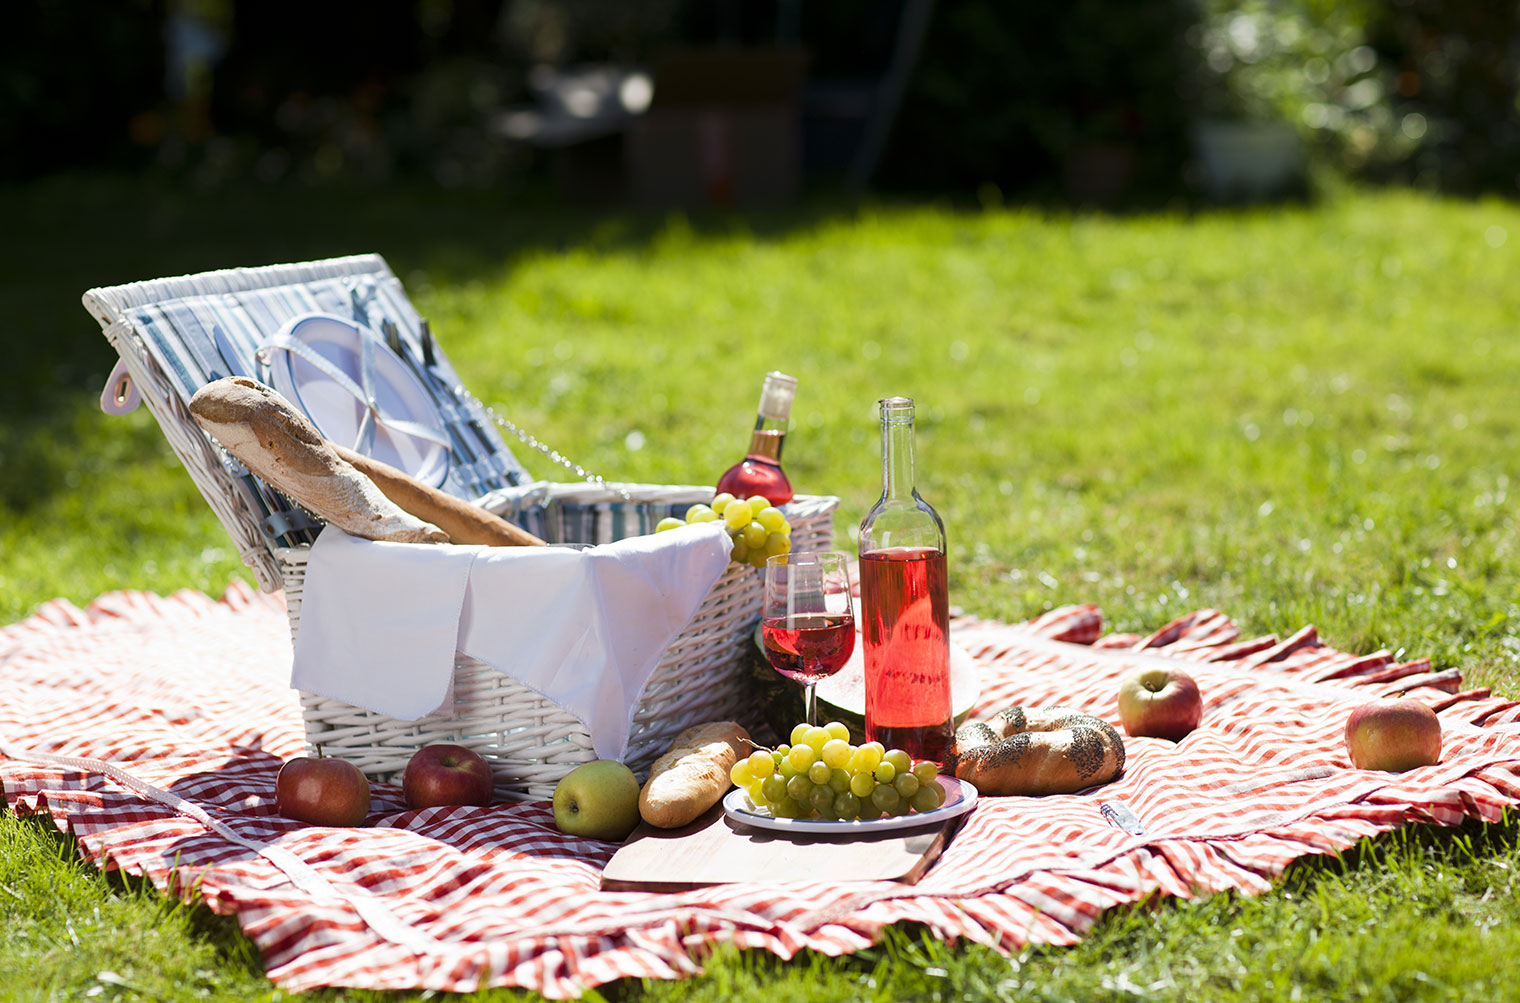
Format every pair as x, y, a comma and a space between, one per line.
190, 697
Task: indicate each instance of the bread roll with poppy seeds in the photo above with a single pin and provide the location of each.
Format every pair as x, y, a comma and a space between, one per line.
692, 776
1034, 751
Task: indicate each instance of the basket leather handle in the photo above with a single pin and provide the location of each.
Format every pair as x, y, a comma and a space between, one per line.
120, 395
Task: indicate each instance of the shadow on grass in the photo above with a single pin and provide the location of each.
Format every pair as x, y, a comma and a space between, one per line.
222, 933
69, 234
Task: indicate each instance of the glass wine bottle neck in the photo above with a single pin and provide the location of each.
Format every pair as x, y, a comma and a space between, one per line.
769, 437
897, 456
775, 409
760, 473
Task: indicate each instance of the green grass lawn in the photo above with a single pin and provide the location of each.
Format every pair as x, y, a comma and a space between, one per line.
1296, 415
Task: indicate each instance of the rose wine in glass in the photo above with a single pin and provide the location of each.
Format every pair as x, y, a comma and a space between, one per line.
905, 604
807, 626
760, 473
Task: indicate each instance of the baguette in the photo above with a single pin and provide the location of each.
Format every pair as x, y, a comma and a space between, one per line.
278, 443
692, 776
465, 523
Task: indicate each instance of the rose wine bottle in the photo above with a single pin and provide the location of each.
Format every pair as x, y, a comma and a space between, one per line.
905, 604
760, 473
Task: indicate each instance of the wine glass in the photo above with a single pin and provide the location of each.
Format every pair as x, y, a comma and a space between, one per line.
807, 625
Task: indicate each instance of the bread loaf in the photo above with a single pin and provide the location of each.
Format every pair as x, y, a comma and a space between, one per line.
1035, 751
278, 443
692, 776
465, 523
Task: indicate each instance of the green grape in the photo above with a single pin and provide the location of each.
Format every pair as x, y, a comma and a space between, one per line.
761, 765
838, 729
785, 808
799, 787
925, 772
757, 504
901, 808
739, 773
886, 797
881, 750
899, 760
822, 799
837, 752
771, 518
773, 787
756, 791
785, 530
669, 522
736, 517
776, 544
785, 770
740, 552
906, 784
868, 811
720, 502
839, 780
885, 771
817, 738
755, 535
846, 805
780, 751
939, 792
757, 558
924, 800
700, 513
798, 732
819, 772
862, 784
861, 761
801, 757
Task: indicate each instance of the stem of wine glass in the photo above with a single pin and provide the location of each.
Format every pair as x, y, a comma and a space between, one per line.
811, 706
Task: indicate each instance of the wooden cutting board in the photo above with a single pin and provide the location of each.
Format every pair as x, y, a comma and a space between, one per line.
714, 850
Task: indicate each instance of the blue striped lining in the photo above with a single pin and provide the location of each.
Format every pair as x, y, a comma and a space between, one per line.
178, 334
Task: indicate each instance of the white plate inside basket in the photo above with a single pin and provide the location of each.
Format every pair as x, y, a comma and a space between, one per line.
335, 412
960, 797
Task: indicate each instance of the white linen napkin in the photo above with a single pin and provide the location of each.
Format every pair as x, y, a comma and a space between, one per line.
380, 621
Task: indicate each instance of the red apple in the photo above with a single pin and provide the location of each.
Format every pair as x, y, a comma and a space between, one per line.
445, 775
1393, 735
1160, 703
322, 792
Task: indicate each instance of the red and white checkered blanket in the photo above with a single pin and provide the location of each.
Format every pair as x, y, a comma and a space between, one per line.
191, 696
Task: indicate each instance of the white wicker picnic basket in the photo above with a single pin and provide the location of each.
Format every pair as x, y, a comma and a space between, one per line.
176, 334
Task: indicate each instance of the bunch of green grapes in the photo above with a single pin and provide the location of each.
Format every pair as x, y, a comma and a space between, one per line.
758, 528
821, 775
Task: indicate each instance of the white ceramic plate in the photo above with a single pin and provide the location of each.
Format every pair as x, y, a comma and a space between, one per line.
337, 414
960, 796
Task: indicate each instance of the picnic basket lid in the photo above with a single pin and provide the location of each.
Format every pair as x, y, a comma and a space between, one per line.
177, 334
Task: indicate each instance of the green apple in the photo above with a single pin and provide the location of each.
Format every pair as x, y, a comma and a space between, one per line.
599, 800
